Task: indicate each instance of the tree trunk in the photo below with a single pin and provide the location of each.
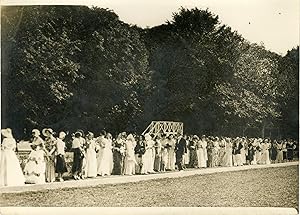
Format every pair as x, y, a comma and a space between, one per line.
244, 129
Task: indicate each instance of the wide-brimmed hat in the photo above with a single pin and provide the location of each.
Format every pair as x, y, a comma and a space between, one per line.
90, 134
78, 132
147, 136
6, 132
36, 131
47, 129
62, 135
130, 137
108, 135
195, 137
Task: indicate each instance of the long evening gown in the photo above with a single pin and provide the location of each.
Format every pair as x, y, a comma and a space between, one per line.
10, 170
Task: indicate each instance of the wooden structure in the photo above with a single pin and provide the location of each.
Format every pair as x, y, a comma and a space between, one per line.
164, 127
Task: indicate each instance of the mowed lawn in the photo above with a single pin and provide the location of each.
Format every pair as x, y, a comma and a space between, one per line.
270, 187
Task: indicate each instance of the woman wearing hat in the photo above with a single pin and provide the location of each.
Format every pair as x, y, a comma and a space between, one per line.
101, 142
36, 138
60, 167
149, 155
50, 147
78, 156
10, 171
139, 152
171, 153
158, 153
106, 163
237, 146
202, 152
251, 152
215, 152
129, 162
265, 157
192, 146
108, 154
290, 147
273, 151
222, 152
164, 152
228, 152
118, 155
91, 159
35, 167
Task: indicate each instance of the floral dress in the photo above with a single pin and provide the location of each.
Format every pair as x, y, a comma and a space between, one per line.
50, 147
129, 163
118, 157
35, 168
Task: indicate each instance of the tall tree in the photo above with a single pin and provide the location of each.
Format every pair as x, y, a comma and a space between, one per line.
289, 104
188, 56
73, 67
250, 98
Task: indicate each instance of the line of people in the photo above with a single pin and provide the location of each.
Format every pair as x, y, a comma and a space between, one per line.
130, 154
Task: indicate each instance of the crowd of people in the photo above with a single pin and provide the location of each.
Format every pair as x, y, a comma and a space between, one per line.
130, 154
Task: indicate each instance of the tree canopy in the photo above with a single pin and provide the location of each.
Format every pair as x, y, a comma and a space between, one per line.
70, 67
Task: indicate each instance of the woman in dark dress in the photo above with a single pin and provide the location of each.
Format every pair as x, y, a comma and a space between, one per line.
118, 155
78, 155
290, 146
251, 152
157, 159
210, 146
139, 151
50, 148
193, 162
273, 151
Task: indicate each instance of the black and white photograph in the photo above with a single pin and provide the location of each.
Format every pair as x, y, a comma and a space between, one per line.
167, 104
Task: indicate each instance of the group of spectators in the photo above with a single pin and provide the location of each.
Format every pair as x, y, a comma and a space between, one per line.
130, 154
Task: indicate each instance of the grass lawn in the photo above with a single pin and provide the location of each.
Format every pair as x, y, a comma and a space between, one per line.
270, 187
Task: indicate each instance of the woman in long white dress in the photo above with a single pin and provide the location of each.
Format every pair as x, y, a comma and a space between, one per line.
164, 153
258, 150
148, 156
265, 157
201, 151
100, 141
222, 152
10, 170
106, 163
91, 160
171, 153
130, 162
228, 153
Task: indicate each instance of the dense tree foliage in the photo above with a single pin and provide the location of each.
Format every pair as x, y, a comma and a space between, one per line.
73, 67
289, 104
188, 57
251, 96
70, 67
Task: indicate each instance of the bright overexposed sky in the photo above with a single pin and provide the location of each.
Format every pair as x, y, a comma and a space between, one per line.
272, 22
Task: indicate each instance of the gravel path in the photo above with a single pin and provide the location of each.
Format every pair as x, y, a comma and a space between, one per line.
270, 187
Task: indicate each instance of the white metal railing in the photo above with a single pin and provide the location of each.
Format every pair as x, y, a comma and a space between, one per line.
164, 127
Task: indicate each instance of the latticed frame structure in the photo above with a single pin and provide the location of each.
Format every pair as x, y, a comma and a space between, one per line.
164, 127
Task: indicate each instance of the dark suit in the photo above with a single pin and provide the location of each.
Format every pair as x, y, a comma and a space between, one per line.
180, 149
